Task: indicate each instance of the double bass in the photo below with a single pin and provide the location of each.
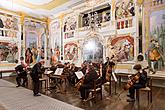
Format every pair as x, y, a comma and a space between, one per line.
109, 68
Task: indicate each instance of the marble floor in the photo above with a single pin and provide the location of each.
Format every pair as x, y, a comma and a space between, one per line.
109, 102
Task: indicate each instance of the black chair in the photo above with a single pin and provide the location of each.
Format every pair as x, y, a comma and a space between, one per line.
97, 89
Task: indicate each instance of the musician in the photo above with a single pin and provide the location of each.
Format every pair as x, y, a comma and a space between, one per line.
89, 78
21, 74
35, 74
72, 76
140, 84
103, 71
109, 66
84, 67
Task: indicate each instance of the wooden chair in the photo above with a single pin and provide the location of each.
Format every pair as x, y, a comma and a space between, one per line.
97, 89
147, 89
43, 80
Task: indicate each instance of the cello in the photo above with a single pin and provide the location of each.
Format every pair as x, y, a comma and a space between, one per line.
134, 78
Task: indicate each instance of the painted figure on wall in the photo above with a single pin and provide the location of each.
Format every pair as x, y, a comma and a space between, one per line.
70, 23
8, 52
123, 48
55, 41
71, 52
8, 22
124, 9
157, 32
28, 56
35, 39
55, 55
155, 56
1, 26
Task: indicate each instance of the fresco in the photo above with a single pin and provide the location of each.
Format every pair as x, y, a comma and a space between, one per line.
55, 41
157, 33
9, 25
69, 27
8, 52
157, 27
34, 41
123, 48
124, 9
70, 23
71, 52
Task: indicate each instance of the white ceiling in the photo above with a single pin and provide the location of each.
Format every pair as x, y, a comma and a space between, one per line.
40, 13
38, 2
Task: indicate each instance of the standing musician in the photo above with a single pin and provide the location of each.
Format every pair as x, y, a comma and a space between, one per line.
142, 80
103, 72
35, 75
88, 82
109, 66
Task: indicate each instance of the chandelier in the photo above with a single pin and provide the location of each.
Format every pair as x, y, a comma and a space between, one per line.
93, 20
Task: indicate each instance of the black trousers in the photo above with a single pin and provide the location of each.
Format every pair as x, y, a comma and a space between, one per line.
84, 90
18, 79
36, 86
2, 34
133, 88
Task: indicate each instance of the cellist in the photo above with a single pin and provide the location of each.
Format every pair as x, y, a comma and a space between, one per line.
140, 83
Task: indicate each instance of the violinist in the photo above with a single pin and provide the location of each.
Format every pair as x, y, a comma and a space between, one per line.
140, 83
72, 76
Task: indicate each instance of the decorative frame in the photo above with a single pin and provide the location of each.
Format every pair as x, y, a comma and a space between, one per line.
10, 41
55, 40
37, 31
150, 7
71, 51
122, 47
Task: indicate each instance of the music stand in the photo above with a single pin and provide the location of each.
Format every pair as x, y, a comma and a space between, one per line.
58, 71
79, 74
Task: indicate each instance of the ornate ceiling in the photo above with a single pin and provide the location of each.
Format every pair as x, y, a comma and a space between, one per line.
38, 8
41, 4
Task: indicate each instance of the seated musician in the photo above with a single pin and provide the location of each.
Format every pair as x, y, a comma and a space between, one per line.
21, 74
140, 84
72, 76
88, 81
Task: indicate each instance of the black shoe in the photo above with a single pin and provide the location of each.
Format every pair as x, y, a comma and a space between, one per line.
130, 100
23, 85
18, 86
37, 94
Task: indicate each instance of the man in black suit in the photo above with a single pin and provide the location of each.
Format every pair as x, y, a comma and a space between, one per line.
35, 74
21, 74
88, 83
141, 82
1, 26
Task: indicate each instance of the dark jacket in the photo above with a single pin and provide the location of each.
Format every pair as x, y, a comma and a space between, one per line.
143, 78
36, 71
1, 23
20, 71
90, 77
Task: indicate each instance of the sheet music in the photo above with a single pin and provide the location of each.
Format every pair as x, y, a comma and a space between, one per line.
58, 71
48, 72
79, 74
114, 76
